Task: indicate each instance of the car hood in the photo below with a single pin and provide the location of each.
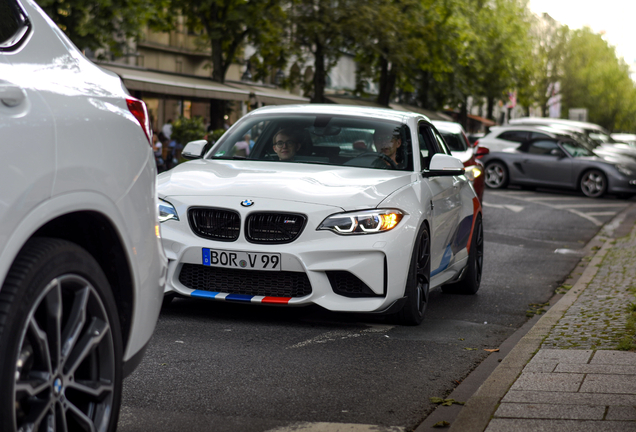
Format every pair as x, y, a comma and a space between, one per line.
346, 187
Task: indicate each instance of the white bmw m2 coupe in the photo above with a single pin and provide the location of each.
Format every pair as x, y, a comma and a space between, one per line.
352, 209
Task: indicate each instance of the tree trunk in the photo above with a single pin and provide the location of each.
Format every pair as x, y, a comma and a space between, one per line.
424, 90
218, 109
319, 75
463, 113
218, 68
490, 107
388, 78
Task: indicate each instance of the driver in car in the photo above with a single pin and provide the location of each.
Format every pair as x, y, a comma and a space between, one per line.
387, 141
287, 142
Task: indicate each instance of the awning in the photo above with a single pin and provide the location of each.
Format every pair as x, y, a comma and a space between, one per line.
481, 120
269, 95
433, 115
175, 85
344, 100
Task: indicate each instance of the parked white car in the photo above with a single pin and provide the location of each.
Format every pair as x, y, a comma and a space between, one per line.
594, 133
81, 264
353, 209
501, 138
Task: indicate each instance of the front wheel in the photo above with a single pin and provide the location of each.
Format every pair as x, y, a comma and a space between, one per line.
496, 175
60, 342
472, 278
418, 281
593, 183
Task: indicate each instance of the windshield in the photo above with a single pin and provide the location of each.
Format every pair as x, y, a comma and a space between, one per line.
576, 149
601, 137
318, 139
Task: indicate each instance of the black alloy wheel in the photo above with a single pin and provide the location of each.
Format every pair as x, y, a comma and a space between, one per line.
418, 281
474, 269
60, 342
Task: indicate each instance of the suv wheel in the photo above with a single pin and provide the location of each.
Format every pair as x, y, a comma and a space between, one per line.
61, 342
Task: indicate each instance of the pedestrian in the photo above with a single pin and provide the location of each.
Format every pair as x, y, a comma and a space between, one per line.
166, 129
157, 148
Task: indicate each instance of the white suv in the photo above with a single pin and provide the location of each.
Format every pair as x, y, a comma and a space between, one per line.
81, 265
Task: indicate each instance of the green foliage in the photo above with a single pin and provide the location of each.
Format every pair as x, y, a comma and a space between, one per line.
216, 134
323, 28
594, 78
230, 24
108, 24
185, 130
400, 39
502, 49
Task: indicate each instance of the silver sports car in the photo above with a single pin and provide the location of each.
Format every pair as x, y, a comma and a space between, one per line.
559, 163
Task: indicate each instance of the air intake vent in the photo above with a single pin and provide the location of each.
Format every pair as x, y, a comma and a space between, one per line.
348, 285
249, 282
214, 224
274, 227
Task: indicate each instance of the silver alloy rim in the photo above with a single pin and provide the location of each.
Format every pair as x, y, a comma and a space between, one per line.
494, 175
65, 370
593, 184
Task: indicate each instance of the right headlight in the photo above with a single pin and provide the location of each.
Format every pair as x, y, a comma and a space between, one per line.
166, 211
472, 172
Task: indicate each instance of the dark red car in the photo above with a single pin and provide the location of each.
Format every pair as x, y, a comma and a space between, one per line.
469, 154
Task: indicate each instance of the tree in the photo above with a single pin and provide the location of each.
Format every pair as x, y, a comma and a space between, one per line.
594, 78
95, 24
545, 68
228, 25
391, 39
502, 48
323, 28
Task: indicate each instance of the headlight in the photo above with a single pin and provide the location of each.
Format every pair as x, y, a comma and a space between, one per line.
363, 222
166, 211
624, 170
472, 172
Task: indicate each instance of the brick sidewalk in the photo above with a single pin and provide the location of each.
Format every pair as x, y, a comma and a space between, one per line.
577, 381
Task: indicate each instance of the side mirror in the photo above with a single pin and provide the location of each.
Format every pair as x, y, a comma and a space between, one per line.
194, 149
443, 165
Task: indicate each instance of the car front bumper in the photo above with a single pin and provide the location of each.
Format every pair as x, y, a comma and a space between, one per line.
353, 273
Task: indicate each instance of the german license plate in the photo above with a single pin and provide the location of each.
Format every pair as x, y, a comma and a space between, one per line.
241, 260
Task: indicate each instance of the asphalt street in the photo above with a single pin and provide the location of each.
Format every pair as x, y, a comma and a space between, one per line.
224, 367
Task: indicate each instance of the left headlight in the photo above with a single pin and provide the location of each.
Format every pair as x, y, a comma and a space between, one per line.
624, 170
166, 211
472, 172
362, 222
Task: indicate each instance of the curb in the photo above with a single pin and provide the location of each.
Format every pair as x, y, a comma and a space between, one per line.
478, 410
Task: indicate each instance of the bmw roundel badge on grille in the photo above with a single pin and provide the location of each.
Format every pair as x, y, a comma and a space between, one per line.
247, 203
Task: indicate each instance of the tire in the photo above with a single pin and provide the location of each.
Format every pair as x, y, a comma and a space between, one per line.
167, 300
60, 340
497, 175
418, 281
474, 269
593, 183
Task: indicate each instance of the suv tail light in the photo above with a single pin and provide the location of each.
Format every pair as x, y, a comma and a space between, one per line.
481, 151
139, 110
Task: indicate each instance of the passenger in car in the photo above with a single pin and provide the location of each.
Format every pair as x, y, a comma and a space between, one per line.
287, 142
